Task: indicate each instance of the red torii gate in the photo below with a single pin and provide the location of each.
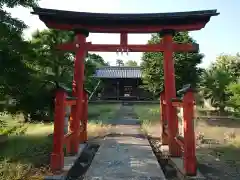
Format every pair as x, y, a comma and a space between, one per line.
166, 23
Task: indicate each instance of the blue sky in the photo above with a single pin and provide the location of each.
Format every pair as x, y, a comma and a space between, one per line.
221, 34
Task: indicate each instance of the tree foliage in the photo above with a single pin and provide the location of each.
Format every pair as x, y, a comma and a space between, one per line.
92, 62
186, 70
131, 63
214, 84
15, 53
48, 65
234, 96
229, 63
53, 63
220, 83
28, 67
119, 62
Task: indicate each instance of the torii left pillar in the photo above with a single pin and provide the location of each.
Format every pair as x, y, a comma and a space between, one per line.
170, 91
78, 89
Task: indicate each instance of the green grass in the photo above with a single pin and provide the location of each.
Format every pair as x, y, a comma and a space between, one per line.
26, 150
99, 118
148, 114
102, 113
22, 154
9, 124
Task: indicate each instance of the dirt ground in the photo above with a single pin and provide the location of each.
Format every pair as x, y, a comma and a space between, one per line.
218, 147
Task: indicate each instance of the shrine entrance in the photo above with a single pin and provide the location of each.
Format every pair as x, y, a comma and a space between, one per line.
128, 91
164, 23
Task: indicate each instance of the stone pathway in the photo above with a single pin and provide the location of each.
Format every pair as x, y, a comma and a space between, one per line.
126, 154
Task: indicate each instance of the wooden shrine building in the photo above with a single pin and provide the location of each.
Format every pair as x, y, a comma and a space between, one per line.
121, 83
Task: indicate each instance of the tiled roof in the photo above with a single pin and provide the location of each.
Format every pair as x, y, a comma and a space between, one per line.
118, 72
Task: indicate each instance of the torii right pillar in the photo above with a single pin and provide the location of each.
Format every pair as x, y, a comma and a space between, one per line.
170, 91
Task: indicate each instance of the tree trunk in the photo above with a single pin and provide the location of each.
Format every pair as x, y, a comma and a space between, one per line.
222, 110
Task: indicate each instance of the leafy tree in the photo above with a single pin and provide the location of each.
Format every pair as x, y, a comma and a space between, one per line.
218, 82
234, 96
186, 70
92, 62
48, 64
131, 63
97, 60
58, 65
15, 53
215, 82
119, 62
54, 64
229, 63
27, 67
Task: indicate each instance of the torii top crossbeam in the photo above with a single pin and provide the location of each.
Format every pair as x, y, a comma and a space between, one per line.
127, 23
